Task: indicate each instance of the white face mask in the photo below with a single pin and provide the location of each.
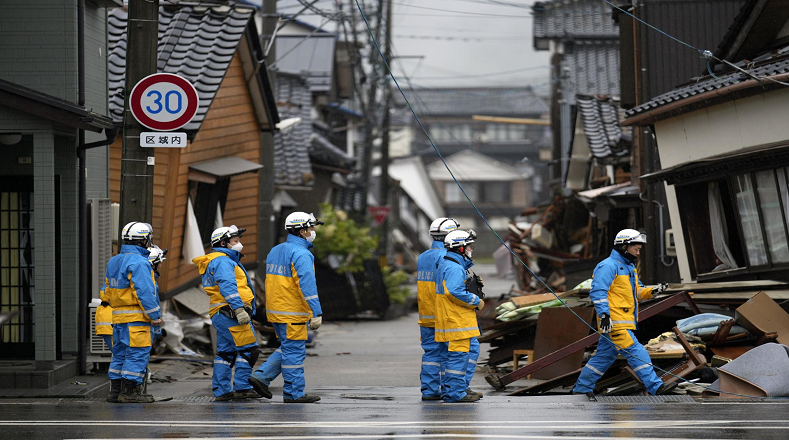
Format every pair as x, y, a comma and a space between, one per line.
311, 237
237, 247
469, 252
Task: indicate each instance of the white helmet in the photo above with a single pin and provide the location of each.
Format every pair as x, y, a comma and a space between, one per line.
156, 255
135, 231
458, 239
442, 226
225, 233
630, 236
301, 220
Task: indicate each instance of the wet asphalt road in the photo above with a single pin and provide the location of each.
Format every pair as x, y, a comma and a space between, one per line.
354, 416
367, 375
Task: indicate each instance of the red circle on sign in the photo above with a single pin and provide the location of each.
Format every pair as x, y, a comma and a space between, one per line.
135, 101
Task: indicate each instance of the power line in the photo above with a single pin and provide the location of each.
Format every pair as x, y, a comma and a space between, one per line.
464, 38
483, 75
479, 14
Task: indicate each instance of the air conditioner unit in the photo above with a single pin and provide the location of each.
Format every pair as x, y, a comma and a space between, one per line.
101, 230
99, 352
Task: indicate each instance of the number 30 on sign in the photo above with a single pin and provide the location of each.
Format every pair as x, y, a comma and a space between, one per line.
163, 101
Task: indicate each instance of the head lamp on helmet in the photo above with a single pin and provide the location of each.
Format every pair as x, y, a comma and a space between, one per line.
301, 220
156, 255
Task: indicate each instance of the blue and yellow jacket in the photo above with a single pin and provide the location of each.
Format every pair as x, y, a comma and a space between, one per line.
225, 280
616, 291
130, 287
103, 317
426, 267
455, 315
291, 291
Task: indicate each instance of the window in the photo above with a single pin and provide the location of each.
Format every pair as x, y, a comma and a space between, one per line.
742, 224
205, 199
496, 192
454, 195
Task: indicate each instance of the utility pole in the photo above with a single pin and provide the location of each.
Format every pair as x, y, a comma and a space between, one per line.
382, 243
142, 36
266, 224
372, 81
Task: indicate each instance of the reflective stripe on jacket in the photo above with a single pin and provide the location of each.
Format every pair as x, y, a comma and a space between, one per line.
426, 267
616, 290
103, 318
455, 315
291, 290
225, 280
130, 287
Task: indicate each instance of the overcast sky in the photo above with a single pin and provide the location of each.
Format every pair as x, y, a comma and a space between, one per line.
463, 42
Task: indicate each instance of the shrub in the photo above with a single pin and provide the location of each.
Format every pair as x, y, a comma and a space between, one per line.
344, 239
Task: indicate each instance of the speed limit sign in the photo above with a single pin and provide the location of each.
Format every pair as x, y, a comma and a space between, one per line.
163, 101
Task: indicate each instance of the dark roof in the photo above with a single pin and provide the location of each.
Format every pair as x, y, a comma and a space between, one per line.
323, 152
777, 65
753, 29
469, 101
197, 44
593, 68
573, 19
600, 121
52, 108
292, 148
226, 166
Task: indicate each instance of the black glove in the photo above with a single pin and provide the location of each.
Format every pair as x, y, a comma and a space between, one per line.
660, 288
605, 323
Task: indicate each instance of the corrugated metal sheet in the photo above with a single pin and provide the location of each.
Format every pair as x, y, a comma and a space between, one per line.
702, 24
197, 45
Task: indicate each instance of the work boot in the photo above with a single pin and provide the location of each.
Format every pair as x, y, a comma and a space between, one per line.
303, 399
427, 398
225, 397
260, 387
115, 390
249, 393
589, 394
470, 391
131, 392
666, 389
467, 398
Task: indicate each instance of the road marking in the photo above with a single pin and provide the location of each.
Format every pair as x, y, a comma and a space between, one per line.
366, 436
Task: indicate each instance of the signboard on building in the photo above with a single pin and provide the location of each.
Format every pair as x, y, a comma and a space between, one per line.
163, 102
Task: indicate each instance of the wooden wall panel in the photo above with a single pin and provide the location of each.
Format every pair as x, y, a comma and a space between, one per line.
229, 129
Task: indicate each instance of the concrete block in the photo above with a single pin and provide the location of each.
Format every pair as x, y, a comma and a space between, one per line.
6, 380
22, 380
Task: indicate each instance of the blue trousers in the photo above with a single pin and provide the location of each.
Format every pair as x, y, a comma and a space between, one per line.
430, 375
131, 350
232, 342
288, 360
473, 357
454, 356
606, 354
107, 340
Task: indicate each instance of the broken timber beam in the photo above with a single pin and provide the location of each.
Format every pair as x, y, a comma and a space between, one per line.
499, 382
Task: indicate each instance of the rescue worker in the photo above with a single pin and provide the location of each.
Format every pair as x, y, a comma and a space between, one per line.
426, 266
456, 321
474, 285
292, 306
131, 291
616, 291
232, 303
103, 327
155, 257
